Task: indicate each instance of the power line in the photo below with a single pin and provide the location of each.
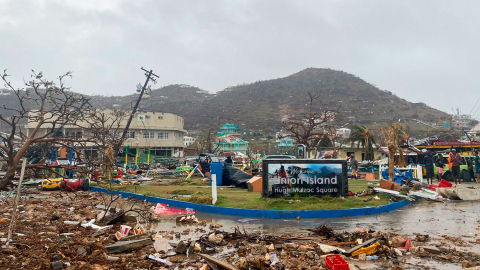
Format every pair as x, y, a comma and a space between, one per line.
474, 107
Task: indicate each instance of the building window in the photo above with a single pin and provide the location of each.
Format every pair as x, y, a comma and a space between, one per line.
147, 116
149, 135
160, 117
163, 136
130, 135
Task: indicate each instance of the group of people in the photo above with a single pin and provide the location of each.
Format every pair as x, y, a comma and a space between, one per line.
454, 161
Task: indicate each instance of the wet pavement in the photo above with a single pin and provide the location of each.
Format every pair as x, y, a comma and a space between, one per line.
452, 218
455, 218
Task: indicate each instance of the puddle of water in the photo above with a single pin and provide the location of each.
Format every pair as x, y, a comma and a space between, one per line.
452, 218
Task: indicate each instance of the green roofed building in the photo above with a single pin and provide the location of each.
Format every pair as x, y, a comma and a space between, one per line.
231, 144
226, 129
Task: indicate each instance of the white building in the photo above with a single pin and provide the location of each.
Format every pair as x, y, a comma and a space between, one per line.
160, 132
187, 140
344, 132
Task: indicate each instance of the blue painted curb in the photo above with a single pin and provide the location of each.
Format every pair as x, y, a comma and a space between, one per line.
258, 213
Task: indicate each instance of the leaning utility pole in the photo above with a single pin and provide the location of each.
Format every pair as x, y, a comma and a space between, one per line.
149, 75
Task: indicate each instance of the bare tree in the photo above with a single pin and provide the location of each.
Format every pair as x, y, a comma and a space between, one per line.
43, 104
206, 142
104, 129
312, 124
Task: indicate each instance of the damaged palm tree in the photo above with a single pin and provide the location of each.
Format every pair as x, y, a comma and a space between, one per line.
108, 161
391, 138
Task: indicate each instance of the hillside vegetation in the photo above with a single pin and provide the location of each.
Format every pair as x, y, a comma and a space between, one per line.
264, 104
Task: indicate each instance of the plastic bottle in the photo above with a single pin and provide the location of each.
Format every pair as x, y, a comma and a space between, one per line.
372, 258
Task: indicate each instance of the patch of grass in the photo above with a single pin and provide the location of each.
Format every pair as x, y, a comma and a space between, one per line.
201, 199
241, 198
182, 192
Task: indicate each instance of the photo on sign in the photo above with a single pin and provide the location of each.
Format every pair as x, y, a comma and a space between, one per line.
306, 179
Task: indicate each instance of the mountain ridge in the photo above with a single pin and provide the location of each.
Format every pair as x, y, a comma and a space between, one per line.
264, 104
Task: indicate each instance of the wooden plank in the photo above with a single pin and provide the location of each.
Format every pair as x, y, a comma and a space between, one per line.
361, 245
223, 264
138, 236
126, 246
98, 233
341, 244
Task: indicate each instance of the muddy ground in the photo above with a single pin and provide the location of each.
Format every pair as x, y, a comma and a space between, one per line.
442, 235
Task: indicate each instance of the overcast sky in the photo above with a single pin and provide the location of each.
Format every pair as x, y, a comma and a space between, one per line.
424, 51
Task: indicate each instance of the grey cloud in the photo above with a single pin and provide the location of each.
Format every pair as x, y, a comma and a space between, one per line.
424, 51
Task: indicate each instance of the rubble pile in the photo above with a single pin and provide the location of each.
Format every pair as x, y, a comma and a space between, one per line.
58, 230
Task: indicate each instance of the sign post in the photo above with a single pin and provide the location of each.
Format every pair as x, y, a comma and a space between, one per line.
304, 177
214, 189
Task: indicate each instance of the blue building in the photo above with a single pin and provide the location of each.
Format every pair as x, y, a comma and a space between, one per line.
227, 129
285, 142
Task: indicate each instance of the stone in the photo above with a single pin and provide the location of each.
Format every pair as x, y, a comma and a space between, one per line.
258, 250
81, 251
398, 252
191, 248
57, 257
242, 263
215, 238
399, 241
311, 254
181, 248
271, 248
160, 245
57, 265
111, 258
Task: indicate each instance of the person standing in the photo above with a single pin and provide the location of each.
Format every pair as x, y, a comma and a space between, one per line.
455, 161
440, 164
354, 166
428, 161
477, 165
229, 161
